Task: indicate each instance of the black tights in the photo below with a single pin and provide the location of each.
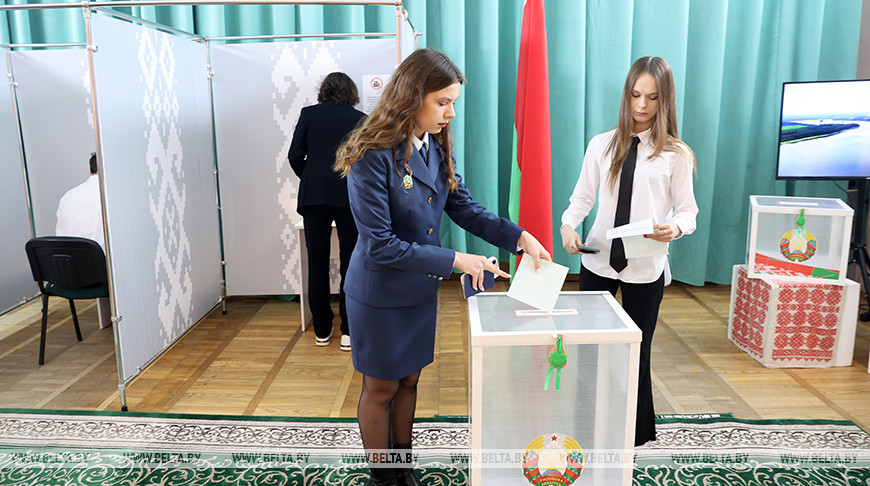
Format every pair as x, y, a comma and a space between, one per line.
386, 412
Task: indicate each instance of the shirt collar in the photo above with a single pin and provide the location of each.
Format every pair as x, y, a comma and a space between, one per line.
419, 143
644, 136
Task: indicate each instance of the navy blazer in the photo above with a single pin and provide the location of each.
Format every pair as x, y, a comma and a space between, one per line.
320, 130
398, 260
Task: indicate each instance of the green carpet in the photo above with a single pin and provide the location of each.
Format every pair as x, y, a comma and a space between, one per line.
102, 448
718, 449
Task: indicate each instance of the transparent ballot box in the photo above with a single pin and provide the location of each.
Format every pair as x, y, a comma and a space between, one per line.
798, 237
579, 434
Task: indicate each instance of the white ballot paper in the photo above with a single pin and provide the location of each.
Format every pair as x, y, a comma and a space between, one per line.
537, 290
635, 244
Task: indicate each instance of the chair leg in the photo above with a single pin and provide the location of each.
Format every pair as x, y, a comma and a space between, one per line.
72, 308
42, 334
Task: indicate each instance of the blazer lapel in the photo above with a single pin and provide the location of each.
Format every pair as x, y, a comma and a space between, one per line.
419, 168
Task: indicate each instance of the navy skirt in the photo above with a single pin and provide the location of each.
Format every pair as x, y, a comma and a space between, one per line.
390, 343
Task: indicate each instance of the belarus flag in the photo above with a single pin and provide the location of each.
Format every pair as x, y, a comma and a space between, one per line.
531, 202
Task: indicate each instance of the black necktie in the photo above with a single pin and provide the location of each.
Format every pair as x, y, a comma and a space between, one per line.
623, 207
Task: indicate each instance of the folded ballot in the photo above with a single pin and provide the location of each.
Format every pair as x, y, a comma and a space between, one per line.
637, 228
636, 246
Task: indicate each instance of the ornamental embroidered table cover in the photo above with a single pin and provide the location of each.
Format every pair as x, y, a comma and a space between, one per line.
793, 324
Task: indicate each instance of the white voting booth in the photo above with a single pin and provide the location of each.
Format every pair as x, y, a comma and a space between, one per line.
266, 254
16, 283
581, 433
191, 136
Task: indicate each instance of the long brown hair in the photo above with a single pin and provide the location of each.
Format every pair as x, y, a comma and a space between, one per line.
393, 119
664, 129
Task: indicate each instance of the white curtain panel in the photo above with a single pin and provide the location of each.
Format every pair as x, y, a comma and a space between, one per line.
57, 124
156, 143
16, 282
259, 90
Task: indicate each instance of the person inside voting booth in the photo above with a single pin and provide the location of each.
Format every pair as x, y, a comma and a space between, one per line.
322, 198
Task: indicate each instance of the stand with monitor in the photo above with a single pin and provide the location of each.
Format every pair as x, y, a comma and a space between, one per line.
858, 249
825, 135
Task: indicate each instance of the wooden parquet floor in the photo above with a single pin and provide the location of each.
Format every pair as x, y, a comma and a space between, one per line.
256, 361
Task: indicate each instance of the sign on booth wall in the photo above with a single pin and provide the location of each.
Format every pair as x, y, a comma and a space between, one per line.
372, 87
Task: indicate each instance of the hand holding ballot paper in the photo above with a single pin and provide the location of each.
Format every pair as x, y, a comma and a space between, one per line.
479, 273
635, 243
538, 290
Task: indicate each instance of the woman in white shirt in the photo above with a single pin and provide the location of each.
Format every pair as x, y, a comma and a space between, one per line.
657, 184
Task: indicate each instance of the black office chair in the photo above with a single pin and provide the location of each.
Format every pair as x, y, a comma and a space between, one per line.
68, 267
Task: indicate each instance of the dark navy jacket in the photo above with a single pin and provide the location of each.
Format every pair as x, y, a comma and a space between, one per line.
398, 260
320, 130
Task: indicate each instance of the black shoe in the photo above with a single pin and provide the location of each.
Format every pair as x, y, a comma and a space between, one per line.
373, 481
406, 477
382, 477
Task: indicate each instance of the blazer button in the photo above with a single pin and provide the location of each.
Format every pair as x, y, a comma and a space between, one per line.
430, 200
440, 278
429, 232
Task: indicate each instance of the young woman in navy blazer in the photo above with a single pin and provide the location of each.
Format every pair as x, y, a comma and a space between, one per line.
661, 189
401, 179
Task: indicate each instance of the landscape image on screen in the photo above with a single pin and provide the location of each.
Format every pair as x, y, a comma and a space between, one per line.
825, 130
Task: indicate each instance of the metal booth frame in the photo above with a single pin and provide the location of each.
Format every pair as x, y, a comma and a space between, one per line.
105, 7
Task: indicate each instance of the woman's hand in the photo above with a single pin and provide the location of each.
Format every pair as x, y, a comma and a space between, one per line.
474, 265
533, 248
570, 239
665, 232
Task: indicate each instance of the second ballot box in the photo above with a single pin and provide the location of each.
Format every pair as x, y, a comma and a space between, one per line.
525, 430
798, 238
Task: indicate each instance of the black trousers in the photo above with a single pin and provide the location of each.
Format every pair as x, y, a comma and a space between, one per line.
317, 221
641, 302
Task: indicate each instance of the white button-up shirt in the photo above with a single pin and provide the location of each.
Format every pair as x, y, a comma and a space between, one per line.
662, 189
80, 213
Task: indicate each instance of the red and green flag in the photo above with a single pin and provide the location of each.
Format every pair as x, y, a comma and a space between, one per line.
531, 201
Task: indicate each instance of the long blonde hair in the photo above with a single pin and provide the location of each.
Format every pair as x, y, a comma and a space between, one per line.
393, 119
664, 129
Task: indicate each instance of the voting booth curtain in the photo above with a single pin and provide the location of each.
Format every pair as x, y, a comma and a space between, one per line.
258, 188
169, 107
16, 283
158, 173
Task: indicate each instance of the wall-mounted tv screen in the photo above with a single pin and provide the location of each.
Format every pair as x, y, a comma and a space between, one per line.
825, 130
